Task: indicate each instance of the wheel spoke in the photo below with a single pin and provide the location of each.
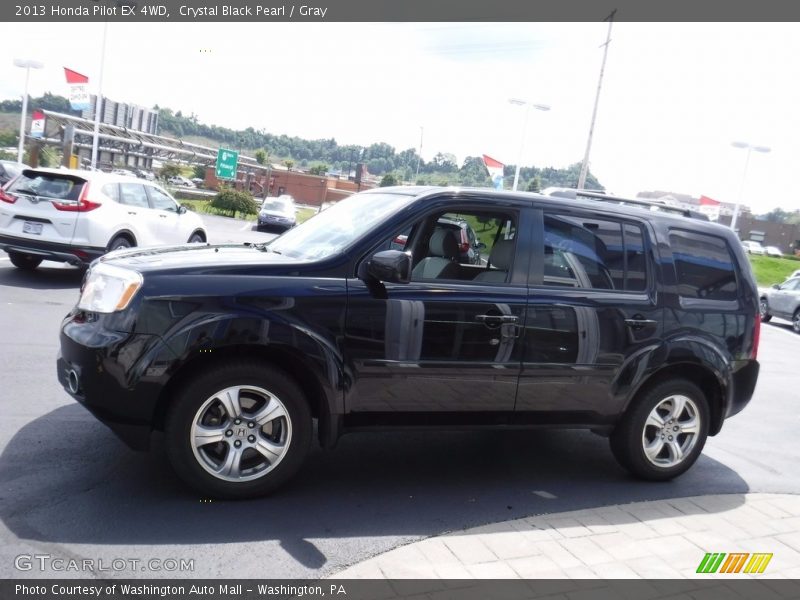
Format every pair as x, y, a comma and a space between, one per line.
208, 435
230, 401
678, 406
272, 410
271, 451
655, 420
690, 426
653, 449
675, 452
230, 468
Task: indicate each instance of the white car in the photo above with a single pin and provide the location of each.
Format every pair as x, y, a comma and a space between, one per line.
75, 216
180, 180
773, 251
753, 247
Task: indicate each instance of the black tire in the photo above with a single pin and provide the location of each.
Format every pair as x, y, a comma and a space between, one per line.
796, 321
26, 262
763, 310
197, 238
633, 432
119, 242
199, 405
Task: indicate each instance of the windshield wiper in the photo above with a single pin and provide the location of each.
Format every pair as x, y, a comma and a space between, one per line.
263, 246
25, 191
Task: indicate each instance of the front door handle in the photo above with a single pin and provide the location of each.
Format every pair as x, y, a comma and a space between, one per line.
496, 319
637, 323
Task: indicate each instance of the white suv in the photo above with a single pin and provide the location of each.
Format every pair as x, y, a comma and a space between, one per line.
76, 216
753, 247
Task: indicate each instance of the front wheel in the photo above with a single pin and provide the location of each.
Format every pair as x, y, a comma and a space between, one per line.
26, 262
796, 321
663, 432
238, 431
197, 238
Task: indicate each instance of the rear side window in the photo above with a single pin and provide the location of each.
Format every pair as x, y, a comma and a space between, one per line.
703, 265
112, 191
593, 253
133, 194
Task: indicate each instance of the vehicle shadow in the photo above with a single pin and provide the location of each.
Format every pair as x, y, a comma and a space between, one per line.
388, 484
43, 278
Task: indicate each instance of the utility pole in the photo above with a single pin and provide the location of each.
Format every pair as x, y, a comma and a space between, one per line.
585, 165
419, 154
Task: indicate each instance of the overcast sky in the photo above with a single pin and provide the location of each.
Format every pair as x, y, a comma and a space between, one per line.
674, 96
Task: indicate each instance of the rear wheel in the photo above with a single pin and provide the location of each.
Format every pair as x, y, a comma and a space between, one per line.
119, 242
197, 238
763, 310
664, 432
239, 430
26, 262
796, 321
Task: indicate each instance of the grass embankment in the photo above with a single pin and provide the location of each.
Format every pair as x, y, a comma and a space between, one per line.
204, 206
769, 269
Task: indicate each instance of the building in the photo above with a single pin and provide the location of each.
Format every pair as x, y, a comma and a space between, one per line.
713, 209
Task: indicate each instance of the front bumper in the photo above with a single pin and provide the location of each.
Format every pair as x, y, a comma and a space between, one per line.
114, 375
74, 255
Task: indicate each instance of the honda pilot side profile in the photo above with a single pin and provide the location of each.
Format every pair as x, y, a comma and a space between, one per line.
640, 326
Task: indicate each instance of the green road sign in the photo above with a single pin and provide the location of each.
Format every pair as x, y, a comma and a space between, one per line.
226, 163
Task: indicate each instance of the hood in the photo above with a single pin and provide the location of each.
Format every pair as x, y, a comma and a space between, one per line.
194, 256
276, 213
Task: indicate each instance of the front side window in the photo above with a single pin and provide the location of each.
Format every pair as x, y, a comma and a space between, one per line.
161, 201
703, 265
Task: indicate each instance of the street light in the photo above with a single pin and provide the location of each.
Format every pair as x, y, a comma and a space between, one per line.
27, 65
527, 105
749, 148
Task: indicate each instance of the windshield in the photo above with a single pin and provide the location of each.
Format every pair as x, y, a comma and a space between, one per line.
277, 205
50, 185
334, 229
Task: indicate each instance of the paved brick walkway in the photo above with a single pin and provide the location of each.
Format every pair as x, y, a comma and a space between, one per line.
659, 539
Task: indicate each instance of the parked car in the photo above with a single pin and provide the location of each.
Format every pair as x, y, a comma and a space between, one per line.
198, 181
123, 172
77, 216
782, 300
773, 251
793, 275
180, 180
641, 326
277, 212
143, 174
753, 247
10, 169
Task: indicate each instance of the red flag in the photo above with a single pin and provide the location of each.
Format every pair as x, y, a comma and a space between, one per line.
495, 168
492, 163
706, 201
74, 76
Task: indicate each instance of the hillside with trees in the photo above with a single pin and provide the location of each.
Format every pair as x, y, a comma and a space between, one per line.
325, 155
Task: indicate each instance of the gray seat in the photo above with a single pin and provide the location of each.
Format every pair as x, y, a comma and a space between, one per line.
442, 259
500, 257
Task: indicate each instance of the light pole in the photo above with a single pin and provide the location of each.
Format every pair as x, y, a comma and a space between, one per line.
419, 155
527, 105
27, 65
98, 105
749, 148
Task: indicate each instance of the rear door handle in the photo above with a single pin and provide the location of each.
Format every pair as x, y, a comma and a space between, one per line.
639, 323
163, 216
132, 212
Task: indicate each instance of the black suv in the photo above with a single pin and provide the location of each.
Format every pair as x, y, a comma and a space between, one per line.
639, 325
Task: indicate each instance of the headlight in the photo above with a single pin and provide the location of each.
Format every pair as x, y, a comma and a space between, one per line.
108, 289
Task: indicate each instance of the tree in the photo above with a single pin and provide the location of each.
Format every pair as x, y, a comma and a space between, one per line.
289, 163
535, 184
388, 180
200, 171
233, 201
319, 169
170, 170
261, 156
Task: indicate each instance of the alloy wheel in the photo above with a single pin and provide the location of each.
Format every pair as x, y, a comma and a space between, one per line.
671, 431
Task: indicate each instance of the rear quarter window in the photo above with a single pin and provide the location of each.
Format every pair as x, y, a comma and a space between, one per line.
704, 266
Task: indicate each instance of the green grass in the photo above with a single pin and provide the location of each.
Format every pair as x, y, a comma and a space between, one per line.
769, 269
204, 206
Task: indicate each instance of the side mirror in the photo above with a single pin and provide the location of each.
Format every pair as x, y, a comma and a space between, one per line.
181, 209
480, 246
390, 266
776, 286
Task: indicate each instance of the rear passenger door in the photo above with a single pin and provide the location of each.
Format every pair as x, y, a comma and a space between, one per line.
133, 198
592, 311
451, 339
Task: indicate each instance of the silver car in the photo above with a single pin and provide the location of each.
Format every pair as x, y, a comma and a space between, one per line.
782, 300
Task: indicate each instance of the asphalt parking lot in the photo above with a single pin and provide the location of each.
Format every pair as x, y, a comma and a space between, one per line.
70, 489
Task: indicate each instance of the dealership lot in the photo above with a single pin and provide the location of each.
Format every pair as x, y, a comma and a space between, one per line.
71, 490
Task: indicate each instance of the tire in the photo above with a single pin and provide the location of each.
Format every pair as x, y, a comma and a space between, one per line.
26, 262
763, 310
119, 242
796, 321
197, 238
225, 455
637, 430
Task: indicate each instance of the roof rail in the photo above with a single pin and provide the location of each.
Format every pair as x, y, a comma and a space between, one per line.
603, 197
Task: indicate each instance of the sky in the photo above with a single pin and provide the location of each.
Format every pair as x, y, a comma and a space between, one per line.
674, 95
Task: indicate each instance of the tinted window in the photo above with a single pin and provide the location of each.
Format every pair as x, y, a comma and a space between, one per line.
161, 201
133, 194
703, 266
48, 185
593, 253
